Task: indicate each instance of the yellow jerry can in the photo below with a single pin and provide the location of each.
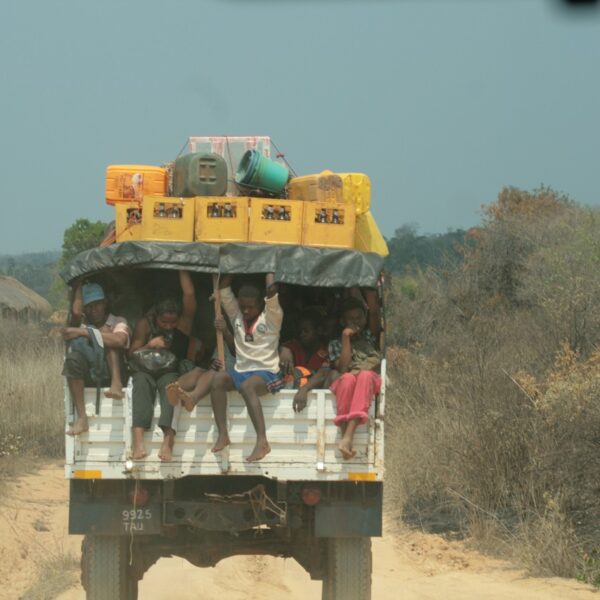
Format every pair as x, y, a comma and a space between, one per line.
322, 187
356, 189
129, 183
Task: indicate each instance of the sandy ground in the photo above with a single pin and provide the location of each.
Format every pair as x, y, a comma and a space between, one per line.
411, 566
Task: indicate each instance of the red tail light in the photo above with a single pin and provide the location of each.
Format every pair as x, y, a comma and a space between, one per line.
139, 496
311, 495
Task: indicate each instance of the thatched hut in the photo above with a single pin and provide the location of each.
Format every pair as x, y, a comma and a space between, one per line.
18, 302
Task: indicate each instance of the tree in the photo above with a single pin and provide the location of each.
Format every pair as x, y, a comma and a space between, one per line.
410, 250
80, 236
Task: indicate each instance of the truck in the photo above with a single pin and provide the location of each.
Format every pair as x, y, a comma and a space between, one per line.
302, 501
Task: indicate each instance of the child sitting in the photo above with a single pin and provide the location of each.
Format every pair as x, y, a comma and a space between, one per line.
356, 357
256, 326
305, 359
307, 349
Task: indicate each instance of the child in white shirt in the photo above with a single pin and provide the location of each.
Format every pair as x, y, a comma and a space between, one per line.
256, 325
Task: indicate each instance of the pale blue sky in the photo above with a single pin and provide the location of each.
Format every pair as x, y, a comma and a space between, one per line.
441, 102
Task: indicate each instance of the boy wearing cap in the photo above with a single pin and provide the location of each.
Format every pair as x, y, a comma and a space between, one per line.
89, 319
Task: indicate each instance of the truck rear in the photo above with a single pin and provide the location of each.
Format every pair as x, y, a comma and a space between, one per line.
301, 501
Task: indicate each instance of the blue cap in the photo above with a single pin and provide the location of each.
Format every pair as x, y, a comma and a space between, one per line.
92, 292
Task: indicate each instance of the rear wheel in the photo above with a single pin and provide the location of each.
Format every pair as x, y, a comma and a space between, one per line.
348, 572
105, 570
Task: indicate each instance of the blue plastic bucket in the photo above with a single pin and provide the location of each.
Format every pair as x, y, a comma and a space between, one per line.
259, 172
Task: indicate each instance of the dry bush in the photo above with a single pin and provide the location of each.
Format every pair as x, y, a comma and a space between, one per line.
57, 572
31, 391
493, 420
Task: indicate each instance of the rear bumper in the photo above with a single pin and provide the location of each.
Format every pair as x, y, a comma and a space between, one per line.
346, 509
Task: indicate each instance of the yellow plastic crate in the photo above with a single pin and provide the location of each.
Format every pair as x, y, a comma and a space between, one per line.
274, 221
322, 187
128, 222
367, 237
168, 219
356, 189
328, 224
128, 183
221, 219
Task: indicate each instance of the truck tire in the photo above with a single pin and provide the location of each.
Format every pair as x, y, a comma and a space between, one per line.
348, 572
105, 571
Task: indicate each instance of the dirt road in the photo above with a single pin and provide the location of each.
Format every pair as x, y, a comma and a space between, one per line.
412, 566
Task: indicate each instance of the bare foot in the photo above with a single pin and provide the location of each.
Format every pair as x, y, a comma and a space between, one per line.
166, 449
173, 393
138, 452
114, 392
260, 451
222, 442
79, 426
186, 400
346, 449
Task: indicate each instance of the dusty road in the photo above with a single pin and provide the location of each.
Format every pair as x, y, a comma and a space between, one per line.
411, 566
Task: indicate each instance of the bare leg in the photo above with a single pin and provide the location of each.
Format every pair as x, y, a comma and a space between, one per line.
172, 391
80, 425
251, 389
201, 389
116, 385
345, 445
178, 390
221, 384
138, 451
166, 449
188, 381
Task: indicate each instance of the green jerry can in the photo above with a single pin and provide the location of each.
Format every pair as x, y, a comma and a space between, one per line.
199, 174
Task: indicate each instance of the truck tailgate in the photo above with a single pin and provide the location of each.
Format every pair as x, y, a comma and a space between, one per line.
303, 445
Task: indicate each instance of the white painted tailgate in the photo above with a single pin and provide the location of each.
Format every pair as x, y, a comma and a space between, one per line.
303, 444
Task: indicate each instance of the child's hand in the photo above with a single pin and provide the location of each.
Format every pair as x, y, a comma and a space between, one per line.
217, 365
157, 342
220, 324
349, 332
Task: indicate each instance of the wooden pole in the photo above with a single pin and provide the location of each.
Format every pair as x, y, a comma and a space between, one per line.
218, 314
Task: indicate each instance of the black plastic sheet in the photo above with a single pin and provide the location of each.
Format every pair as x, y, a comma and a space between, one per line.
294, 264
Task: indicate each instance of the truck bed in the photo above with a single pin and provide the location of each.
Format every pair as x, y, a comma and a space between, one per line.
303, 445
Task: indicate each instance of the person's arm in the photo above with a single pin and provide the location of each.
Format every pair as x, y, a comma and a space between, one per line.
115, 339
141, 334
224, 281
343, 362
270, 285
189, 303
77, 306
372, 300
286, 359
273, 310
228, 300
316, 381
111, 339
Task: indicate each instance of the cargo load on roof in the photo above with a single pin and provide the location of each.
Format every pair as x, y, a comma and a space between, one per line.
229, 189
